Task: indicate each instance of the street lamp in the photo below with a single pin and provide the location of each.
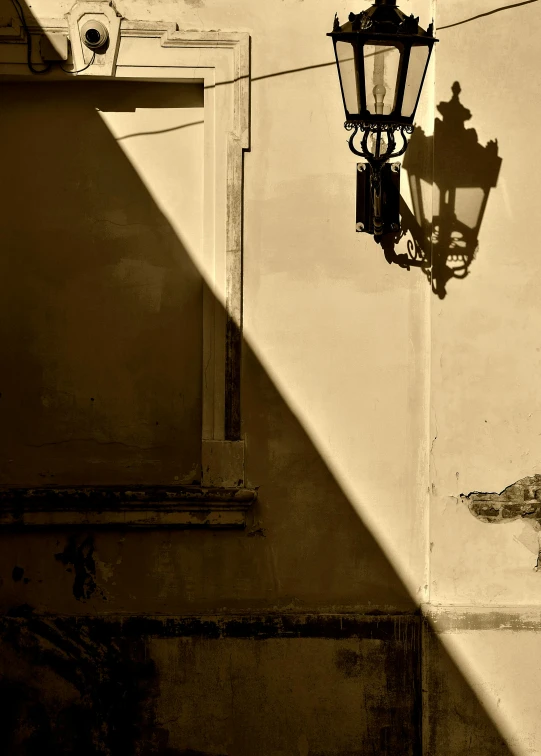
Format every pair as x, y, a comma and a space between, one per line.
382, 57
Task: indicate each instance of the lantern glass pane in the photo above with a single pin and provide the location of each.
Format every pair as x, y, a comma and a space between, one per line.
416, 69
381, 64
348, 76
469, 203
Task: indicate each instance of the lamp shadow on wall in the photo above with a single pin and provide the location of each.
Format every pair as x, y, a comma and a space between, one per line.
450, 175
79, 684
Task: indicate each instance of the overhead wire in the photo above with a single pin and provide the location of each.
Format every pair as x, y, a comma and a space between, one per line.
22, 19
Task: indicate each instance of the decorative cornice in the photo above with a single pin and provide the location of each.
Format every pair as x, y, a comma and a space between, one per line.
125, 506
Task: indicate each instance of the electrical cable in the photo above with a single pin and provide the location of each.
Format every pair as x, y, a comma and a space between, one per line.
22, 19
81, 69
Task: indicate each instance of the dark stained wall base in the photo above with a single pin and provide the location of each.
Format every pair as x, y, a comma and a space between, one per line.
455, 723
317, 685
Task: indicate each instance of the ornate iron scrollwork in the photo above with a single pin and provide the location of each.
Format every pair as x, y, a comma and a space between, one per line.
379, 130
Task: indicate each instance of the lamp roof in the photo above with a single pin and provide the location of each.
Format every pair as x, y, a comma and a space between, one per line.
384, 17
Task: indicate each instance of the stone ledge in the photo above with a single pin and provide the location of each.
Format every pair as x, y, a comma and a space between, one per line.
402, 630
125, 507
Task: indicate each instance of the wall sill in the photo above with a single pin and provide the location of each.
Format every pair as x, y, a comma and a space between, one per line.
125, 507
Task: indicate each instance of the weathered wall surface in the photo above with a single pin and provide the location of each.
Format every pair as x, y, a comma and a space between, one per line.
485, 339
485, 398
212, 686
299, 635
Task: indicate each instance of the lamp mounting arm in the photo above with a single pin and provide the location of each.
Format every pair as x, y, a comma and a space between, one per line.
384, 148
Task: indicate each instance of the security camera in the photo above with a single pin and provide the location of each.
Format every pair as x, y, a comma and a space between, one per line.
94, 34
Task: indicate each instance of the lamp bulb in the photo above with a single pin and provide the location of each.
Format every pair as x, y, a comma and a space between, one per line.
379, 92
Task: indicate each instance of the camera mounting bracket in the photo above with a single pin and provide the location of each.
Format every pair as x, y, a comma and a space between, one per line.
102, 12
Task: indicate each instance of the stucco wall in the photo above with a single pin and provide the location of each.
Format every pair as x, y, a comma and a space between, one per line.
369, 404
484, 395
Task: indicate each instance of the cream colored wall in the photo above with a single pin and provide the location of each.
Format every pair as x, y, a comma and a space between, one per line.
342, 334
485, 397
485, 341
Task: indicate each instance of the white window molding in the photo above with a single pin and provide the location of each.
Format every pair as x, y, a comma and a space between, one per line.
221, 60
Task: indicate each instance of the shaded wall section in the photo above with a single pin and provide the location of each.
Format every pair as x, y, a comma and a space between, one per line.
101, 307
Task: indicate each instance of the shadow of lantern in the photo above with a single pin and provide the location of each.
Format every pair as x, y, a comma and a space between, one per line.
444, 245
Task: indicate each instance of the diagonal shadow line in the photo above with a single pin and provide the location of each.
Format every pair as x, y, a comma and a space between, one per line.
270, 419
488, 13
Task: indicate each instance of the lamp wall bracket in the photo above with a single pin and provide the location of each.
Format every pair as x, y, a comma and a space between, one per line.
378, 187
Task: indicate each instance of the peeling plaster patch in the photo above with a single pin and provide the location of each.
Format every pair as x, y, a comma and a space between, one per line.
106, 570
519, 500
80, 557
257, 531
528, 538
